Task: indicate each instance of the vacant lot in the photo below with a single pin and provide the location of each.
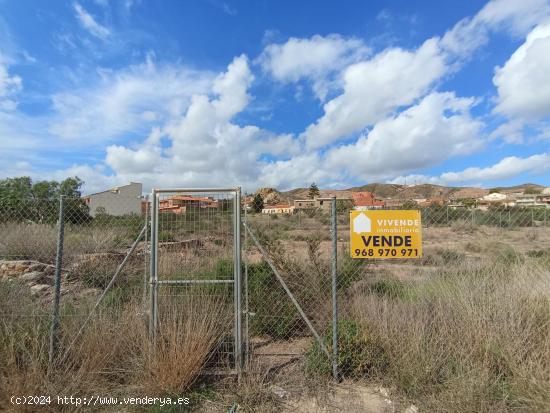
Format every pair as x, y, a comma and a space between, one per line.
465, 328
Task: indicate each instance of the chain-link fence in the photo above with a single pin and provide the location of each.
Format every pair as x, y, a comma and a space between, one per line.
289, 264
195, 258
387, 315
90, 300
89, 248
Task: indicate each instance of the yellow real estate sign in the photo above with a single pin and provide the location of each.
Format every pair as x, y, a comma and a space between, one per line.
385, 234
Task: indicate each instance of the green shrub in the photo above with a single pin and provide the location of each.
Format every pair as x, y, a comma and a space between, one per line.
272, 311
393, 289
538, 253
165, 236
359, 355
510, 256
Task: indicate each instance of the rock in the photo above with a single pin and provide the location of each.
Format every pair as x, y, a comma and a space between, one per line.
49, 270
37, 266
32, 276
384, 392
411, 409
39, 289
280, 392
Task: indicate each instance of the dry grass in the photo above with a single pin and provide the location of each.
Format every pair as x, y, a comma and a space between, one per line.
28, 241
189, 332
475, 337
113, 357
39, 241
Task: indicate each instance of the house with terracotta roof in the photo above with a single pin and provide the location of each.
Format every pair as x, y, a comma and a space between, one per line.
363, 201
178, 204
278, 209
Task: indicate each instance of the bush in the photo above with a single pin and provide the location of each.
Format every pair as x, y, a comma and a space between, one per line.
273, 312
165, 236
393, 289
473, 339
510, 256
359, 355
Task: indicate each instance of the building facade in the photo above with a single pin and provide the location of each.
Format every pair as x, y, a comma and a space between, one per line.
278, 209
121, 200
363, 201
179, 204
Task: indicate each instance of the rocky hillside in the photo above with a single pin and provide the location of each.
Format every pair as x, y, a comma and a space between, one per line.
271, 196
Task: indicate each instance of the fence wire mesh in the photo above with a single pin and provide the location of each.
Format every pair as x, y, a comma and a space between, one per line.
195, 255
287, 306
299, 246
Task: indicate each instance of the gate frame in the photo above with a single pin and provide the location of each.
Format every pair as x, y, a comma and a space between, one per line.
154, 282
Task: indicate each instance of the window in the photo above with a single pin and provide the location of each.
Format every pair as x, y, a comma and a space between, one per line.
320, 202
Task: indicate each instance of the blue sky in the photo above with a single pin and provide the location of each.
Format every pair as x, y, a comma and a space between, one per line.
265, 93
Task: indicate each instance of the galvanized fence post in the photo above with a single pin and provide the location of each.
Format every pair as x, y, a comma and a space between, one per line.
153, 276
334, 291
246, 303
237, 281
145, 250
54, 332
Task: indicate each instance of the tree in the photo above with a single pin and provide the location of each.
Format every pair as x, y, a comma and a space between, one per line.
45, 190
532, 191
70, 187
410, 204
257, 203
313, 191
21, 199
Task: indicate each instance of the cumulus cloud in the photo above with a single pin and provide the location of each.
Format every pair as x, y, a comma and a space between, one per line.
522, 82
394, 78
89, 23
375, 88
438, 127
508, 167
204, 144
315, 58
517, 17
389, 99
126, 101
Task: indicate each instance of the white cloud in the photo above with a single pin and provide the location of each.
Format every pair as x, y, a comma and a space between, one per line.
205, 145
9, 86
89, 23
522, 83
437, 128
508, 167
517, 17
125, 101
315, 58
375, 88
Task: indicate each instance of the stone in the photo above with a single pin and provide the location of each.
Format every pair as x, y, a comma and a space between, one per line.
49, 270
280, 392
37, 266
32, 276
411, 409
39, 289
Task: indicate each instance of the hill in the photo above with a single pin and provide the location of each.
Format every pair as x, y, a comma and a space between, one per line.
395, 191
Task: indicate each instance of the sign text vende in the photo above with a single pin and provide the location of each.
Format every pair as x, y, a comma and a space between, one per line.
385, 234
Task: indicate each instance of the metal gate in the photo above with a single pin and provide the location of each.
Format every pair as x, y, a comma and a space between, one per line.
196, 269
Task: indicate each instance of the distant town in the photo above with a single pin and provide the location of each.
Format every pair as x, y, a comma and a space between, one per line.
129, 199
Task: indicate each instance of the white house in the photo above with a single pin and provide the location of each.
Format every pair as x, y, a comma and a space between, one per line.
121, 200
494, 197
278, 209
